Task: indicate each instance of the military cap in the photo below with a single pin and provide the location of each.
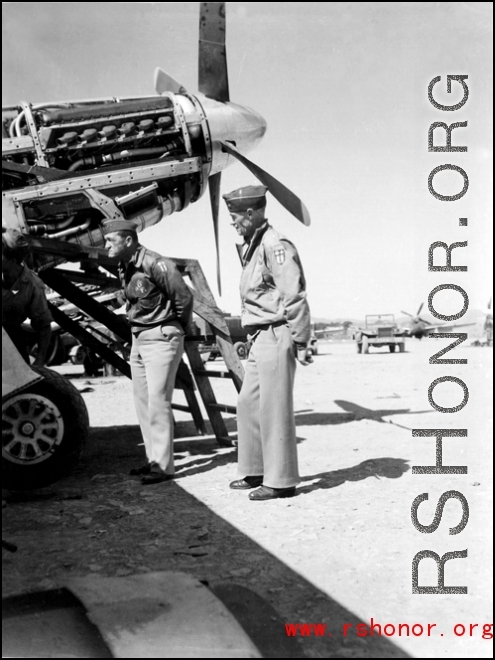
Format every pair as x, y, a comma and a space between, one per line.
108, 226
248, 197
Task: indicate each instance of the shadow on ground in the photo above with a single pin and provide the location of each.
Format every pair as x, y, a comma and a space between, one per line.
379, 468
100, 521
353, 413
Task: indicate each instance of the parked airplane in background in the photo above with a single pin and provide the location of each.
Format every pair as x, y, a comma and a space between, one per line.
328, 331
420, 328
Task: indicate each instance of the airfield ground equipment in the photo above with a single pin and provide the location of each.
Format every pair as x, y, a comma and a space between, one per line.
380, 330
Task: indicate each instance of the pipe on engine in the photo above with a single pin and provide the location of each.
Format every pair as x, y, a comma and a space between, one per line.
38, 227
71, 231
127, 153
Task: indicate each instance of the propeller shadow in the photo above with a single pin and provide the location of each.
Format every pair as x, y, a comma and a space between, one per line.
353, 412
388, 468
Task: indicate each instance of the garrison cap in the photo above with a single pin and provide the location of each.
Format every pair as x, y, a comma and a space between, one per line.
108, 226
248, 197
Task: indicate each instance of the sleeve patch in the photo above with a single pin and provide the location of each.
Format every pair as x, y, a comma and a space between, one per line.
161, 265
279, 255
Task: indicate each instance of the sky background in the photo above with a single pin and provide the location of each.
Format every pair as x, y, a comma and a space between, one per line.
343, 88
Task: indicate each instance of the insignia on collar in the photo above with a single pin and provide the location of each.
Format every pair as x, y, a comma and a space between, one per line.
279, 255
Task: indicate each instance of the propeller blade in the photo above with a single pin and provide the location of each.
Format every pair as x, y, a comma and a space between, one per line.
424, 321
406, 313
213, 79
165, 83
419, 310
214, 187
281, 193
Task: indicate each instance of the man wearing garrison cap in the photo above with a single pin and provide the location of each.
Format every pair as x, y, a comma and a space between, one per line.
159, 309
276, 313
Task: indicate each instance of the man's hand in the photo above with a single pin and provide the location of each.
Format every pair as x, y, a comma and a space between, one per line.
303, 356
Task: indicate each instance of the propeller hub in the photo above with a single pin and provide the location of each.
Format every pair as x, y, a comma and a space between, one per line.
231, 122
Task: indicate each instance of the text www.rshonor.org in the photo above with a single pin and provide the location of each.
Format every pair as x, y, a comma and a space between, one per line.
389, 630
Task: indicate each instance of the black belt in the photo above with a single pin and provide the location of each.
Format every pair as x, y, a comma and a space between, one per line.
252, 329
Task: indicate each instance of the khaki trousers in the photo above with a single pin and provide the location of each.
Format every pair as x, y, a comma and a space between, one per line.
265, 411
154, 360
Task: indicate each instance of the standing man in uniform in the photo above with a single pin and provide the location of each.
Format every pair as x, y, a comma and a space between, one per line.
275, 312
159, 309
23, 296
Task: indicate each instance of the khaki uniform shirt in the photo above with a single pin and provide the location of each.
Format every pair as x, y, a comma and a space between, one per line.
273, 287
25, 299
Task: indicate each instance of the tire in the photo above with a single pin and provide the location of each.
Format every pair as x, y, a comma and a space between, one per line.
391, 348
366, 346
402, 347
241, 350
359, 347
44, 430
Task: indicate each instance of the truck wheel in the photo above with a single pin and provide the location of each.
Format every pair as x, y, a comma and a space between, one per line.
366, 346
402, 347
359, 346
241, 350
391, 348
44, 429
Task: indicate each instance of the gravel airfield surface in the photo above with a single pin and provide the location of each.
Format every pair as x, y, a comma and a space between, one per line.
339, 553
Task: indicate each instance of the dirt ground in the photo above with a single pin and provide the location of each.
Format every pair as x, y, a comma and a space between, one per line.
340, 552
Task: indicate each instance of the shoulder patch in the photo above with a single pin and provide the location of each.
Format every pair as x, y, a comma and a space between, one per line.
279, 254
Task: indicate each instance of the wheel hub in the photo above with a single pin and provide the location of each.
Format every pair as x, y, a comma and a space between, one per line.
32, 428
27, 429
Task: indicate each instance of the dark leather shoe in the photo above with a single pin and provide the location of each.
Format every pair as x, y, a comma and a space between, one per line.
144, 469
156, 478
267, 493
246, 483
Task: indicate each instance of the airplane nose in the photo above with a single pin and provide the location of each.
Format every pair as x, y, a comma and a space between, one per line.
247, 127
231, 122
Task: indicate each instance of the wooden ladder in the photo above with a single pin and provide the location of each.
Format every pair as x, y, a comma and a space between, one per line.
206, 307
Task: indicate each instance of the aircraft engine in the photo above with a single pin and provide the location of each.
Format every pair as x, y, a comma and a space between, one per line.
67, 166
